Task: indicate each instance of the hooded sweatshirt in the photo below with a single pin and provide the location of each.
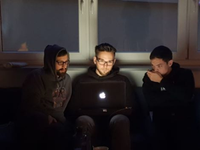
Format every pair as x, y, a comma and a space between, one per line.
175, 90
92, 76
43, 91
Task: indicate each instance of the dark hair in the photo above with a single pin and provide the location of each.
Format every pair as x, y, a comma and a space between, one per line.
161, 52
104, 47
63, 52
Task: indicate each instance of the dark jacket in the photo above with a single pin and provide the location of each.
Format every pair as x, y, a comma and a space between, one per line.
91, 76
43, 91
174, 91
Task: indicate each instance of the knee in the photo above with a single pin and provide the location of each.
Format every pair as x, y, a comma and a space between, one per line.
86, 123
120, 121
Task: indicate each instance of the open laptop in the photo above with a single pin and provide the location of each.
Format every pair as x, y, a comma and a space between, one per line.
102, 98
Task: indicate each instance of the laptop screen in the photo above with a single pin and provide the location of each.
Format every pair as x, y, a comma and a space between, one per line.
103, 94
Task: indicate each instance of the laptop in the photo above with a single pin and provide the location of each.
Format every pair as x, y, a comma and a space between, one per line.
102, 98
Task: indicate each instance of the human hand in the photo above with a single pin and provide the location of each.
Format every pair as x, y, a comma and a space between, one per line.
154, 76
51, 119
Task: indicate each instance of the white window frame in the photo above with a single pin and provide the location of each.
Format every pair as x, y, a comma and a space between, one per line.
193, 30
88, 37
36, 58
181, 54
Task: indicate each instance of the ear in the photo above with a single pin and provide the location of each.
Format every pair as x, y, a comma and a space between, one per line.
170, 63
114, 61
94, 60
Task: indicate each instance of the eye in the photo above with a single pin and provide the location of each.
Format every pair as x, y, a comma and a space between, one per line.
60, 62
101, 60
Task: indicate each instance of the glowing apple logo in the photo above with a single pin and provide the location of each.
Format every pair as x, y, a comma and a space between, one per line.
102, 95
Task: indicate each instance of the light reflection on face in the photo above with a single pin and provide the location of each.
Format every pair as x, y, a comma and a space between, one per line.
61, 68
161, 66
103, 69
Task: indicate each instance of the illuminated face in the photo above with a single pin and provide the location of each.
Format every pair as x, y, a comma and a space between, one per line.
161, 66
104, 62
61, 65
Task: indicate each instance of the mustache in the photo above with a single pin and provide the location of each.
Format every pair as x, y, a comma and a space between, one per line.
62, 69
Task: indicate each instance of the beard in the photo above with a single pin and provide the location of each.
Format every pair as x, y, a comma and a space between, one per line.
103, 73
61, 72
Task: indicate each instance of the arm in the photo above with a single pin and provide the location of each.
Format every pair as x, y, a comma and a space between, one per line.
152, 93
33, 90
181, 88
130, 103
74, 104
130, 96
178, 91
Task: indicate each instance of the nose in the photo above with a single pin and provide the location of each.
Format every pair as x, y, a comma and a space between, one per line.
156, 69
64, 65
106, 64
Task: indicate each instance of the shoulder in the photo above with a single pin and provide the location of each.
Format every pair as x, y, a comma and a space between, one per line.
176, 69
68, 76
183, 74
35, 73
121, 77
81, 78
184, 71
68, 79
146, 78
33, 78
188, 73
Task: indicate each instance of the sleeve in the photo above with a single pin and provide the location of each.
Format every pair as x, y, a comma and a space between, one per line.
69, 91
176, 92
182, 88
74, 103
32, 91
152, 93
130, 95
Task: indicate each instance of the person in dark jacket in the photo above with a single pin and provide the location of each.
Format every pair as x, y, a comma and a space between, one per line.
46, 93
168, 90
99, 128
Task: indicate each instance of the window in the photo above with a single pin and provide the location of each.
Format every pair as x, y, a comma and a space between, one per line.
28, 26
134, 27
194, 30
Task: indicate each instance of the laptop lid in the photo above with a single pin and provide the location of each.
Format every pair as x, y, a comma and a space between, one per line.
108, 95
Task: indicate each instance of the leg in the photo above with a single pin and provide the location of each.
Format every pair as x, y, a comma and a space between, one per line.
162, 125
86, 123
120, 133
59, 136
85, 127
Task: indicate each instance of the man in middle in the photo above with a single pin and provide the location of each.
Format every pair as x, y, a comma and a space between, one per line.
113, 128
